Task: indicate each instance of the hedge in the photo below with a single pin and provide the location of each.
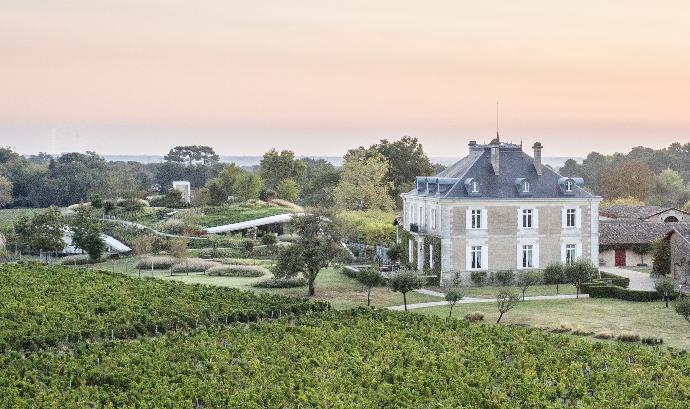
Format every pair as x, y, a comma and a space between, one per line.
602, 291
615, 279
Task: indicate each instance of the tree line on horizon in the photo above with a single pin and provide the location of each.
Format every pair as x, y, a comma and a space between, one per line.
644, 175
369, 178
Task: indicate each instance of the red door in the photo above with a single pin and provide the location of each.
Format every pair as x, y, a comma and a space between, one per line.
620, 257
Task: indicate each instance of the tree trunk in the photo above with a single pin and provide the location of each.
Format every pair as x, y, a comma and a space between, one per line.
369, 297
311, 287
450, 314
556, 288
405, 300
666, 299
577, 291
499, 318
523, 294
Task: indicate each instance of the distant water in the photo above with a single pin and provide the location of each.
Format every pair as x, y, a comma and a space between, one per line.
249, 161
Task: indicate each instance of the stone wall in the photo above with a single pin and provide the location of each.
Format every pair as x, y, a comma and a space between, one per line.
680, 259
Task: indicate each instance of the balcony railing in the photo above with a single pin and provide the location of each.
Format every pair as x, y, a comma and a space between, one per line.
416, 228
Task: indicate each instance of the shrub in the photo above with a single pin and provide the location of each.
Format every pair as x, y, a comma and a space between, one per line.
599, 290
192, 266
665, 287
682, 307
661, 253
245, 262
582, 332
282, 283
562, 328
237, 271
578, 273
404, 282
158, 262
269, 239
504, 277
615, 279
350, 271
288, 238
474, 316
76, 260
604, 335
287, 204
652, 341
628, 336
506, 300
453, 296
478, 278
553, 274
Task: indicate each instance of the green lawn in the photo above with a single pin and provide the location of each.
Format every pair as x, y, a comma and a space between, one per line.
491, 291
220, 215
648, 319
331, 285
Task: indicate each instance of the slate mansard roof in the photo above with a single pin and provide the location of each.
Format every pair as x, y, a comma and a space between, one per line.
514, 166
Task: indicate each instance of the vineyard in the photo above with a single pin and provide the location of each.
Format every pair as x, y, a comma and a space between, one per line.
51, 306
79, 338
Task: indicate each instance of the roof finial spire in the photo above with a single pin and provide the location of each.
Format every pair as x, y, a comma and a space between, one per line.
497, 138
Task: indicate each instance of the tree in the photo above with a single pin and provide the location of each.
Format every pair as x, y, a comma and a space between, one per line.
178, 249
192, 154
670, 189
453, 296
404, 282
370, 277
526, 279
318, 184
628, 179
553, 274
682, 307
277, 166
406, 159
235, 182
288, 190
96, 201
661, 254
87, 232
318, 243
41, 231
578, 273
363, 183
506, 300
665, 287
5, 191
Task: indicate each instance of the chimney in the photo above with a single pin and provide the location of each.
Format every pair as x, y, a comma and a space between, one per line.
495, 158
537, 158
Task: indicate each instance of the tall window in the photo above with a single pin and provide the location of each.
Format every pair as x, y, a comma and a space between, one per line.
527, 256
474, 186
433, 217
527, 216
431, 256
421, 215
476, 219
410, 250
568, 185
570, 253
570, 217
525, 186
476, 255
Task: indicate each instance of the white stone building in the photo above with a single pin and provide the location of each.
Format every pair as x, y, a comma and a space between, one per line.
499, 209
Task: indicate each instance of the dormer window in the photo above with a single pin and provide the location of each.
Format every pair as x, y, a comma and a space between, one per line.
569, 185
525, 186
474, 187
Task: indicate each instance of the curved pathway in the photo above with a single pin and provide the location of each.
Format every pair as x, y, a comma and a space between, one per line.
472, 300
638, 281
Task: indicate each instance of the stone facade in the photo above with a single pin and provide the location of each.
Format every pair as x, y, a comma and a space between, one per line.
501, 234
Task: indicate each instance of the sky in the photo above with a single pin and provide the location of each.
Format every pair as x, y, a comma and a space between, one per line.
321, 76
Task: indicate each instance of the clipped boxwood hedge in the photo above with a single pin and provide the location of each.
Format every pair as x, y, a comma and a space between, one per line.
614, 291
615, 279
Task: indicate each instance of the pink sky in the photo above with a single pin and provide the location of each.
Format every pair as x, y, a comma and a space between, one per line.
319, 77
